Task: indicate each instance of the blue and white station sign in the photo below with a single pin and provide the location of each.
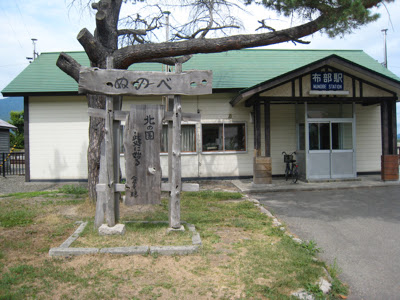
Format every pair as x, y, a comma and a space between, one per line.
327, 81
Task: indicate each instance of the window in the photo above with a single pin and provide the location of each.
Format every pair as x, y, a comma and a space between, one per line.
319, 136
342, 136
223, 137
188, 138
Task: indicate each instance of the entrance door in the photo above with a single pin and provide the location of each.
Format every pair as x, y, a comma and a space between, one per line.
330, 149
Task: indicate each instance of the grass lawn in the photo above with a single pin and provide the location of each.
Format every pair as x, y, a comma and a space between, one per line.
243, 256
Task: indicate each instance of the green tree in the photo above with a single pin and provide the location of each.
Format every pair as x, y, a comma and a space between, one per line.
136, 41
17, 137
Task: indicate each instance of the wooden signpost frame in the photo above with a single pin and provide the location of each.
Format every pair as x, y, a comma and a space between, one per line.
109, 188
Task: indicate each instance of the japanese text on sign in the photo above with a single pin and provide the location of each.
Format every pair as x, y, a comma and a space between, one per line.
327, 81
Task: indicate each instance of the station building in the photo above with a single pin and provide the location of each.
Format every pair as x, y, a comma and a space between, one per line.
335, 108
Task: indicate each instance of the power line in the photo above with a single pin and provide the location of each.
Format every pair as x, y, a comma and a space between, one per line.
22, 18
12, 28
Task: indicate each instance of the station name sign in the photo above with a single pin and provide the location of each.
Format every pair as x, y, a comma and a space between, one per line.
122, 82
327, 81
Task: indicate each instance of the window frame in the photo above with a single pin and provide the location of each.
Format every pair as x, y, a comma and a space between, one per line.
223, 151
195, 138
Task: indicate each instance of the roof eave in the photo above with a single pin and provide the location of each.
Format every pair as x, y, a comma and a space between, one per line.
332, 59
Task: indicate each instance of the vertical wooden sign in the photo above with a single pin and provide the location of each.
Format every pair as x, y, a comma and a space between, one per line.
142, 142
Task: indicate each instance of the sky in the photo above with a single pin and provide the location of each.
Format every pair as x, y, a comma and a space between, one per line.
55, 26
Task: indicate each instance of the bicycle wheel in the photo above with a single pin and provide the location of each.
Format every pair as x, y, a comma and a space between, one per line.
287, 172
295, 174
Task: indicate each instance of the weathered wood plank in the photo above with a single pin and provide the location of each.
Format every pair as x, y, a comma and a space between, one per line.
142, 141
110, 208
123, 82
176, 177
120, 115
186, 187
96, 112
185, 117
109, 155
117, 106
119, 187
101, 196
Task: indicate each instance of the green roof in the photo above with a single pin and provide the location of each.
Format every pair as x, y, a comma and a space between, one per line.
231, 70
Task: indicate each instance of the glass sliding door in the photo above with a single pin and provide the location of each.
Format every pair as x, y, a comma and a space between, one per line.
318, 158
342, 150
330, 141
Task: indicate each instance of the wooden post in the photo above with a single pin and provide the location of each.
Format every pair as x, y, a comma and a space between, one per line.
174, 161
101, 198
393, 127
261, 164
109, 154
117, 105
267, 120
257, 129
384, 128
389, 160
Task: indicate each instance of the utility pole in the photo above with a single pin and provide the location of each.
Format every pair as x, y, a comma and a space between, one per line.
385, 64
35, 54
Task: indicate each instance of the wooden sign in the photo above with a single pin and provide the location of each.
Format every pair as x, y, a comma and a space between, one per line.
142, 139
123, 82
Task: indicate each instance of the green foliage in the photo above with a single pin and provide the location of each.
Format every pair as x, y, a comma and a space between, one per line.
337, 288
311, 247
14, 218
335, 17
28, 194
17, 138
315, 290
73, 190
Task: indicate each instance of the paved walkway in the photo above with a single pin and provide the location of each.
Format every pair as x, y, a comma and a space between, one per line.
279, 184
357, 227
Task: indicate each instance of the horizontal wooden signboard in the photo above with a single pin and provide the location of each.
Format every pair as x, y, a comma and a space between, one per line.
123, 82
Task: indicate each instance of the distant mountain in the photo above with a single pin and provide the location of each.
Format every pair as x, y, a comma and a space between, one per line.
10, 104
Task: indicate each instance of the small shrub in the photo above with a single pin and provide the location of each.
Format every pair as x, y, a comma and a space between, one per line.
315, 290
311, 247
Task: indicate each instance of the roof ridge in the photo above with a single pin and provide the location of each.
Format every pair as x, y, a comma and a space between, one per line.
246, 49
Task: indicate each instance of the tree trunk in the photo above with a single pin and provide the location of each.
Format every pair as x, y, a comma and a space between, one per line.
96, 136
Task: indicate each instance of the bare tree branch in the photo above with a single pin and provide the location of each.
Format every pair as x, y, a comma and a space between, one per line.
94, 49
193, 36
132, 31
126, 56
170, 61
69, 65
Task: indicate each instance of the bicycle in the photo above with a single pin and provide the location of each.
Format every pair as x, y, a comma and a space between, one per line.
291, 166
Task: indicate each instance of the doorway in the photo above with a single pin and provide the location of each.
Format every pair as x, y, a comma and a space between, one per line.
330, 141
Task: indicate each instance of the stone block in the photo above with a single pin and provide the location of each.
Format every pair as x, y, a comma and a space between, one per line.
173, 250
134, 250
324, 286
175, 229
118, 229
196, 240
72, 251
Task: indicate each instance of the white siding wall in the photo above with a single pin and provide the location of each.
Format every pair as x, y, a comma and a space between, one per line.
369, 149
58, 128
59, 137
283, 134
214, 109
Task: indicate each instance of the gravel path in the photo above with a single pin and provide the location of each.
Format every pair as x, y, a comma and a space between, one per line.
17, 184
